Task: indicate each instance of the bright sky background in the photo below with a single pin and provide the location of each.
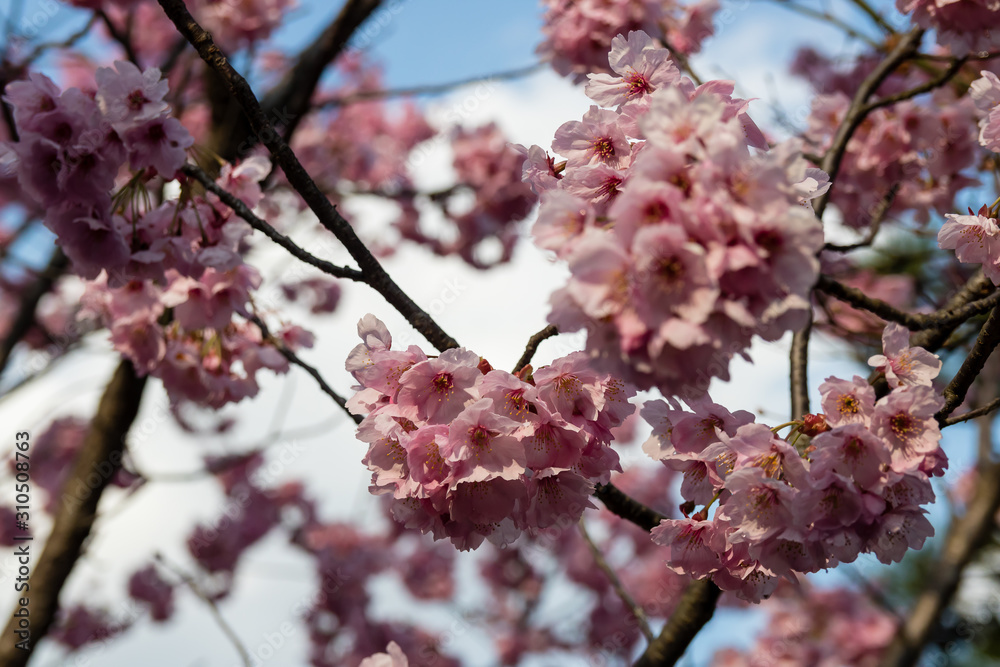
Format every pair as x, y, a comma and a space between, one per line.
491, 312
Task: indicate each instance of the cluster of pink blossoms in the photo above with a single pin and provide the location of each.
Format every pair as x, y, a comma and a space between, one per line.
190, 261
916, 151
577, 33
469, 452
964, 26
71, 147
183, 256
682, 244
857, 487
975, 238
491, 168
985, 93
818, 628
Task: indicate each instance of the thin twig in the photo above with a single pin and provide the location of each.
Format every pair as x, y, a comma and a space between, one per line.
299, 179
954, 393
912, 321
856, 113
294, 358
616, 584
681, 59
875, 16
63, 44
878, 212
243, 211
532, 346
120, 37
426, 89
972, 414
213, 608
941, 79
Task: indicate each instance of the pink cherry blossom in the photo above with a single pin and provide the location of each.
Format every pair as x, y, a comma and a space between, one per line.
641, 68
596, 139
904, 365
975, 239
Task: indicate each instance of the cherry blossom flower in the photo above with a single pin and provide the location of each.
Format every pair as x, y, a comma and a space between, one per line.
904, 365
975, 240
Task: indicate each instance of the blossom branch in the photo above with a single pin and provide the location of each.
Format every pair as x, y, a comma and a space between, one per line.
857, 112
243, 211
966, 535
976, 290
294, 92
877, 213
874, 15
695, 609
941, 79
427, 89
616, 584
100, 457
681, 59
532, 346
628, 508
122, 38
297, 176
912, 321
989, 338
311, 370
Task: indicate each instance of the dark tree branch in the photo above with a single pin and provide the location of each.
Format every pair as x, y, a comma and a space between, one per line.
694, 610
30, 297
941, 79
292, 96
874, 15
856, 113
532, 346
799, 369
243, 211
299, 179
954, 393
121, 37
877, 216
97, 462
912, 321
627, 508
294, 358
975, 291
971, 414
